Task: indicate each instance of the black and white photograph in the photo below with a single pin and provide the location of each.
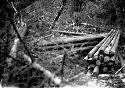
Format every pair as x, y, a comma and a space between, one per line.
62, 43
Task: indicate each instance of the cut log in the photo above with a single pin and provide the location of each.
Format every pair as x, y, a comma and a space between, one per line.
96, 71
101, 56
67, 46
70, 33
77, 49
97, 53
107, 50
75, 39
90, 54
105, 69
108, 43
86, 58
114, 48
106, 58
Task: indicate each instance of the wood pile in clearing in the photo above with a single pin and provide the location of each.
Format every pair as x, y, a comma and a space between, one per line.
104, 57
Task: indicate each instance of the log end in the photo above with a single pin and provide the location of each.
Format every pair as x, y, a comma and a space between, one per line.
86, 58
96, 71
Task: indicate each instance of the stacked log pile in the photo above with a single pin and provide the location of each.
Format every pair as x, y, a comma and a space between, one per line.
103, 58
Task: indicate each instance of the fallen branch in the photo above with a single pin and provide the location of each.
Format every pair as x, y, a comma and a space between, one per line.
113, 49
67, 46
75, 39
70, 33
82, 49
108, 42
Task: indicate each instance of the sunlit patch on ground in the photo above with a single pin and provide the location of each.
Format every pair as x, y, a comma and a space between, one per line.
7, 86
89, 84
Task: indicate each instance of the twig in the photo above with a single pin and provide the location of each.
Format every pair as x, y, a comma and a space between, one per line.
14, 7
57, 17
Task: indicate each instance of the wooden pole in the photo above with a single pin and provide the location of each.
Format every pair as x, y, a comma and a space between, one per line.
64, 40
107, 43
107, 50
70, 33
97, 53
113, 49
90, 54
68, 46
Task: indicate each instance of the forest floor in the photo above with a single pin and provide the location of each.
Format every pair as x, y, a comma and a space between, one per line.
52, 61
28, 77
23, 76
